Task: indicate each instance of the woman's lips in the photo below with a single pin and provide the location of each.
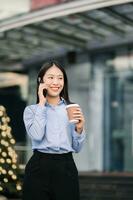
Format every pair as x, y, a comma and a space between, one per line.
55, 88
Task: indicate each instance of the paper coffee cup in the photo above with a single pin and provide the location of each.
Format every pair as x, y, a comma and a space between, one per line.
70, 109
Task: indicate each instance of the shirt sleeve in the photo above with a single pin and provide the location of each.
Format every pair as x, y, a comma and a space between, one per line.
35, 121
77, 139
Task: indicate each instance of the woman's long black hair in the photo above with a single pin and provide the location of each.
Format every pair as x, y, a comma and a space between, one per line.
43, 70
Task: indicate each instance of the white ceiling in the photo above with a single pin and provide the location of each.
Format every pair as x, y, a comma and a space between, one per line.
10, 8
89, 30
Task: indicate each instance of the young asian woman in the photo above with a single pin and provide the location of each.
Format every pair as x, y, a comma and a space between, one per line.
51, 173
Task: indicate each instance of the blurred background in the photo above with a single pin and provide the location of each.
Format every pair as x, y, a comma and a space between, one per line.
93, 40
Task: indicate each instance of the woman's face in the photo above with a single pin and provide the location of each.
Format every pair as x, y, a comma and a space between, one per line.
54, 80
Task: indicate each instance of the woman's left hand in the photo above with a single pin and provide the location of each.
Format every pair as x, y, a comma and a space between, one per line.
80, 117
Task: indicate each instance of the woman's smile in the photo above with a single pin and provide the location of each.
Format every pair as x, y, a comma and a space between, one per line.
54, 88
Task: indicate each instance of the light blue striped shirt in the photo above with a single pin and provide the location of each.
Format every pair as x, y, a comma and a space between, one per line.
49, 129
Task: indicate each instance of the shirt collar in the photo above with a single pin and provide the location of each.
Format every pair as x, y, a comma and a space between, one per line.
62, 101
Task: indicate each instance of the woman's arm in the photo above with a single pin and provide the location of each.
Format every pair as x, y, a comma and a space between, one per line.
35, 121
78, 133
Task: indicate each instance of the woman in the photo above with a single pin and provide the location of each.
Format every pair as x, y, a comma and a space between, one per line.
51, 173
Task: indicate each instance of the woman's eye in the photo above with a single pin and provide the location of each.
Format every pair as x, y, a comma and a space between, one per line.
50, 77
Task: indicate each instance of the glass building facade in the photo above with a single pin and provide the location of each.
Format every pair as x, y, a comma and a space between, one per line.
102, 84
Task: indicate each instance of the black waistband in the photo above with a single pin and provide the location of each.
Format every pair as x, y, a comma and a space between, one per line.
53, 155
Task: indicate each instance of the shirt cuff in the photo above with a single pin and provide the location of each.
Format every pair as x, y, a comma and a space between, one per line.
79, 135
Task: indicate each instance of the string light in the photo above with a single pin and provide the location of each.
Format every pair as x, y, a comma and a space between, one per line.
6, 144
8, 156
3, 133
3, 119
4, 171
1, 112
9, 149
8, 160
5, 180
10, 172
4, 154
2, 108
14, 166
3, 127
18, 187
8, 119
12, 141
2, 160
14, 177
1, 188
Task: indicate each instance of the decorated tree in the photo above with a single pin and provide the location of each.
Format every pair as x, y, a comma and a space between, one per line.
9, 181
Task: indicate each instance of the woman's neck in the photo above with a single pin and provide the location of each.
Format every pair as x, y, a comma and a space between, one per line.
53, 100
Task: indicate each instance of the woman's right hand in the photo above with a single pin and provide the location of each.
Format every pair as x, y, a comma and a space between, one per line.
42, 98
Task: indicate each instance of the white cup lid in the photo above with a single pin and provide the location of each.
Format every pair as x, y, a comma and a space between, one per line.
72, 105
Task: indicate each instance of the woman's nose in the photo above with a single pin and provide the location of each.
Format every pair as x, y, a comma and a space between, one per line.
55, 81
